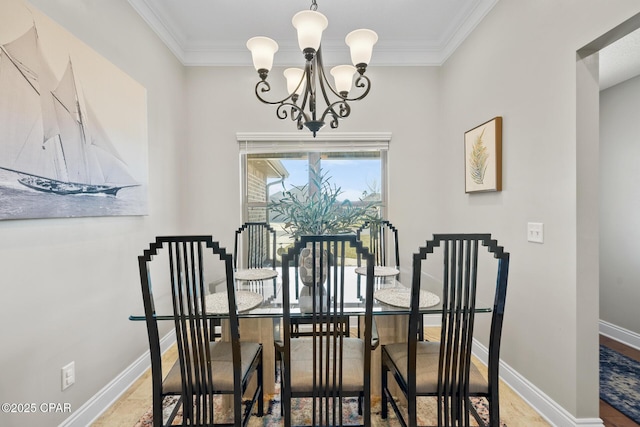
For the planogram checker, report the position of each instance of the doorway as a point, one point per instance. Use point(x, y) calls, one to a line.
point(593, 155)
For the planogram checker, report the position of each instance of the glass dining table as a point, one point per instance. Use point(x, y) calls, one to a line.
point(259, 304)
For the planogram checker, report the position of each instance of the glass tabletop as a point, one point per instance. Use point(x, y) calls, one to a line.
point(264, 299)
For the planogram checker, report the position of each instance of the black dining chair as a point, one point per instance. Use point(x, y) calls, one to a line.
point(175, 284)
point(254, 252)
point(381, 238)
point(327, 365)
point(445, 369)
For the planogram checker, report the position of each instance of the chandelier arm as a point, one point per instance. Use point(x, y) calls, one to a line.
point(334, 122)
point(297, 113)
point(305, 99)
point(335, 118)
point(322, 78)
point(263, 86)
point(361, 84)
point(310, 87)
point(343, 111)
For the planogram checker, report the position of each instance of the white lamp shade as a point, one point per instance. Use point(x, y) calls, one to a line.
point(310, 25)
point(294, 76)
point(262, 51)
point(343, 77)
point(361, 44)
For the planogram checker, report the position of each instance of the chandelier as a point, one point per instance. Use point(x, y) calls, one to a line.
point(309, 86)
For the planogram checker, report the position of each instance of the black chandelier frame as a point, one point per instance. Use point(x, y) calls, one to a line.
point(313, 76)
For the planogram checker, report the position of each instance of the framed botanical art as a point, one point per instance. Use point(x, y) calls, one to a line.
point(483, 157)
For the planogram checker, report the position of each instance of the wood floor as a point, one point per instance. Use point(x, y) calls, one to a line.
point(608, 414)
point(137, 400)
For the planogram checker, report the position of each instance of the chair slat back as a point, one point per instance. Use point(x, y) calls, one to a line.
point(328, 318)
point(255, 246)
point(460, 281)
point(381, 238)
point(192, 261)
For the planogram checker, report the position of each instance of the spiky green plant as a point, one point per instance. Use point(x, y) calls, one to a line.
point(478, 160)
point(317, 210)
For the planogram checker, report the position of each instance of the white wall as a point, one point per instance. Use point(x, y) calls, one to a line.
point(620, 204)
point(402, 101)
point(520, 63)
point(69, 285)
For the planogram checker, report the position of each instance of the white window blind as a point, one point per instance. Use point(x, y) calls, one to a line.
point(252, 143)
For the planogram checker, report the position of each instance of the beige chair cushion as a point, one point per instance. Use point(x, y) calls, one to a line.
point(222, 367)
point(302, 365)
point(427, 358)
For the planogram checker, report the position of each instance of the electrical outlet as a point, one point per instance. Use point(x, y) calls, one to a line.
point(68, 375)
point(535, 232)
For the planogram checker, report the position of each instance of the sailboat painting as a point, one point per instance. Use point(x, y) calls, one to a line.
point(73, 138)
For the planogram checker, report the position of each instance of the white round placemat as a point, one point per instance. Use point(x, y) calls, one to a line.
point(401, 297)
point(218, 303)
point(379, 271)
point(256, 274)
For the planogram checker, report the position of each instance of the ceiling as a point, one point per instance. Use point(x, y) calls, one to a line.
point(620, 60)
point(411, 32)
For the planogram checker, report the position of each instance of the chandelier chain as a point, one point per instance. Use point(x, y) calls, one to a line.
point(314, 5)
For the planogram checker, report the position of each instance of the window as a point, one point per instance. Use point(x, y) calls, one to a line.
point(355, 164)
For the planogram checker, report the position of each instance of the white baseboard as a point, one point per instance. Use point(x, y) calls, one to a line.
point(101, 401)
point(622, 335)
point(548, 409)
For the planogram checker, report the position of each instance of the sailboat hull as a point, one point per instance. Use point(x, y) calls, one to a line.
point(58, 187)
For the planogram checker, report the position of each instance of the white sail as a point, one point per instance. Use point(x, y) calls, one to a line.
point(71, 128)
point(21, 121)
point(26, 53)
point(113, 169)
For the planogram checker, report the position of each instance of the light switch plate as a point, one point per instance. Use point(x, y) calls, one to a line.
point(68, 375)
point(535, 232)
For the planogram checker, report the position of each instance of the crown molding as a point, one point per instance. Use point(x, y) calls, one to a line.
point(387, 53)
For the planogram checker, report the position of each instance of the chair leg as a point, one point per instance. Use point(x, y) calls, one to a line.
point(367, 413)
point(383, 394)
point(259, 381)
point(280, 362)
point(412, 407)
point(494, 411)
point(286, 412)
point(237, 410)
point(157, 411)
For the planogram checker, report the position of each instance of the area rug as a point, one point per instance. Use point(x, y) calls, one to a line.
point(301, 412)
point(620, 382)
point(302, 409)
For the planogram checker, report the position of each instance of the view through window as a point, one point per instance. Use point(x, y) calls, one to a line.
point(357, 176)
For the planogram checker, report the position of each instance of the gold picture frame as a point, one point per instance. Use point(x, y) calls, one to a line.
point(483, 157)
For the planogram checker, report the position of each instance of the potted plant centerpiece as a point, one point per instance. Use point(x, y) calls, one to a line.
point(315, 209)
